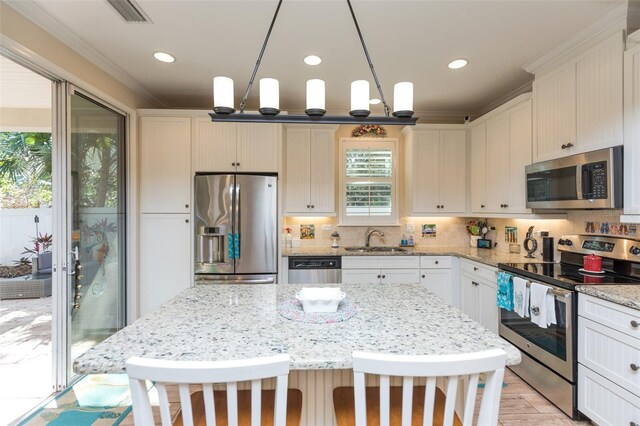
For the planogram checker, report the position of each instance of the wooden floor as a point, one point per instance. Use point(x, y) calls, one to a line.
point(520, 405)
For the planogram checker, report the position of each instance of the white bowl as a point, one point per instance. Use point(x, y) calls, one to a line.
point(320, 299)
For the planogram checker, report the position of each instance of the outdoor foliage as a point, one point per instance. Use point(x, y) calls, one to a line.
point(40, 244)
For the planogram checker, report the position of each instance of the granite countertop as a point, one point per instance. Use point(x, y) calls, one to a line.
point(486, 256)
point(627, 295)
point(219, 322)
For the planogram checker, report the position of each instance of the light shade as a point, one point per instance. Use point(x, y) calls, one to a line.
point(223, 95)
point(403, 99)
point(315, 97)
point(359, 98)
point(269, 96)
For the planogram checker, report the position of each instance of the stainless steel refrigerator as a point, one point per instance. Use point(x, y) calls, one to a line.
point(236, 228)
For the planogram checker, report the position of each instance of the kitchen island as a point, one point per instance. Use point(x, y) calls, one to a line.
point(241, 321)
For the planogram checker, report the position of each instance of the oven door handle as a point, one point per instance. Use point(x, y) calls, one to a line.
point(561, 294)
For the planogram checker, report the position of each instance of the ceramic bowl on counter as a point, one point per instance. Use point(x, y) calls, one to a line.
point(320, 299)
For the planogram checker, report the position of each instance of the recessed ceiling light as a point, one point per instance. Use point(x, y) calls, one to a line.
point(164, 57)
point(374, 101)
point(457, 63)
point(312, 60)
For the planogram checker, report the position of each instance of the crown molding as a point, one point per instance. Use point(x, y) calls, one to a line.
point(46, 21)
point(520, 90)
point(612, 21)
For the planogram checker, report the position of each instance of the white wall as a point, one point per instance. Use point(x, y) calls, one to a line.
point(17, 228)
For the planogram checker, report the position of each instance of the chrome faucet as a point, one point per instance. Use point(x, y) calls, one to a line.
point(369, 233)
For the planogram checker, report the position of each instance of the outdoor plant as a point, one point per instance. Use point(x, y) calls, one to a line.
point(22, 261)
point(40, 244)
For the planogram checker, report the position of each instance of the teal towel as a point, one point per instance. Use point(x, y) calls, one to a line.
point(505, 291)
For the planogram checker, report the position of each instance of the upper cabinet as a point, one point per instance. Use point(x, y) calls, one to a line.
point(577, 106)
point(310, 171)
point(632, 131)
point(165, 164)
point(500, 150)
point(435, 169)
point(235, 147)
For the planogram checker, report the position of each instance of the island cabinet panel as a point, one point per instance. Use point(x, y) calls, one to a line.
point(578, 105)
point(436, 276)
point(310, 171)
point(478, 293)
point(632, 133)
point(235, 147)
point(435, 172)
point(165, 258)
point(608, 361)
point(165, 158)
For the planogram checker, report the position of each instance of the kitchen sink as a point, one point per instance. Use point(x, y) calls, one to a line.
point(374, 249)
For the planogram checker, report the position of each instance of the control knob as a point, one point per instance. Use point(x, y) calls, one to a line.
point(634, 250)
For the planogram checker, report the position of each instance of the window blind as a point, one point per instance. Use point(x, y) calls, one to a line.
point(368, 180)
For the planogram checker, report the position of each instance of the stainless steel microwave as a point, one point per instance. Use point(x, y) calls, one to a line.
point(592, 180)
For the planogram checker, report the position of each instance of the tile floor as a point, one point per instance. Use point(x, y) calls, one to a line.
point(25, 355)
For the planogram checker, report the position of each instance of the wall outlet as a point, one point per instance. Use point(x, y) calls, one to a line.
point(326, 227)
point(539, 233)
point(410, 228)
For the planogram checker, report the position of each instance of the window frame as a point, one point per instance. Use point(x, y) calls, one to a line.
point(369, 143)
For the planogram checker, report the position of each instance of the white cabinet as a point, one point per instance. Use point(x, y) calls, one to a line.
point(609, 360)
point(381, 269)
point(500, 150)
point(435, 275)
point(435, 169)
point(165, 158)
point(578, 105)
point(632, 133)
point(310, 171)
point(165, 258)
point(478, 293)
point(235, 147)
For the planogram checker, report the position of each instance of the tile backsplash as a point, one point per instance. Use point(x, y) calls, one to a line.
point(451, 231)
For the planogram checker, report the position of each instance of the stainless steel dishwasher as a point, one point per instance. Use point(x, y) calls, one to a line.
point(315, 270)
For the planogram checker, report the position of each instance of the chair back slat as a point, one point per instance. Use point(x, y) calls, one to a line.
point(209, 404)
point(163, 400)
point(256, 402)
point(452, 368)
point(470, 398)
point(429, 401)
point(207, 373)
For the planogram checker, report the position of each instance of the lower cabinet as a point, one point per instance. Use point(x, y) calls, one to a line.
point(608, 362)
point(435, 275)
point(478, 293)
point(381, 269)
point(165, 258)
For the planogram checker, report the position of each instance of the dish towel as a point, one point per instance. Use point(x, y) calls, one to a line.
point(543, 311)
point(520, 297)
point(505, 291)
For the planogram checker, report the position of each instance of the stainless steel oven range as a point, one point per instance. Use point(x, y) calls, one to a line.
point(549, 362)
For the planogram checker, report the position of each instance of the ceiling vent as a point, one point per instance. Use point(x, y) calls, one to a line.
point(130, 11)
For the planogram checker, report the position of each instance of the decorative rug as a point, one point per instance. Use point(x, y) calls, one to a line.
point(292, 309)
point(96, 399)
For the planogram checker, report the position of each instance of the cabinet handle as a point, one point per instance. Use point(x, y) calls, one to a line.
point(475, 268)
point(482, 206)
point(436, 262)
point(186, 221)
point(424, 276)
point(384, 276)
point(634, 367)
point(312, 206)
point(634, 323)
point(308, 206)
point(186, 206)
point(475, 283)
point(238, 164)
point(378, 276)
point(565, 146)
point(633, 424)
point(506, 205)
point(233, 164)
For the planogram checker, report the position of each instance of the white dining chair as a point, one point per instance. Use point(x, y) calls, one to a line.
point(278, 407)
point(421, 405)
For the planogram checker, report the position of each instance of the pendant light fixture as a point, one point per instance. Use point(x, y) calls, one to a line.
point(224, 110)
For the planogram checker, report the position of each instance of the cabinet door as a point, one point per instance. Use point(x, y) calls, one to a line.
point(298, 171)
point(453, 171)
point(214, 146)
point(257, 148)
point(165, 164)
point(426, 171)
point(361, 276)
point(555, 113)
point(599, 96)
point(488, 309)
point(520, 138)
point(322, 172)
point(478, 169)
point(400, 276)
point(469, 296)
point(165, 258)
point(632, 132)
point(438, 282)
point(498, 166)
